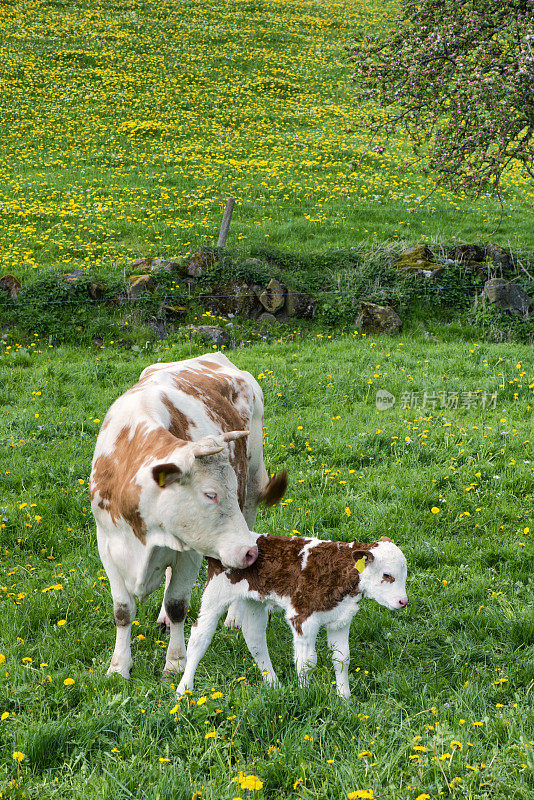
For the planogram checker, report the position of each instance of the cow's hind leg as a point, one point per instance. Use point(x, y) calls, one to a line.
point(176, 602)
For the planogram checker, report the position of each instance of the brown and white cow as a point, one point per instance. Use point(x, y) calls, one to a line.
point(178, 474)
point(316, 583)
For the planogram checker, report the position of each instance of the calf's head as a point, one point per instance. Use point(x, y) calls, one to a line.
point(195, 499)
point(383, 574)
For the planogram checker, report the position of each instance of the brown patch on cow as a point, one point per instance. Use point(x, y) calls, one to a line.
point(180, 425)
point(275, 489)
point(328, 577)
point(114, 474)
point(176, 610)
point(389, 579)
point(219, 395)
point(386, 539)
point(122, 615)
point(210, 364)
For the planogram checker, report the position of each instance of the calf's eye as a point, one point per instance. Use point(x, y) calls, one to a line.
point(387, 577)
point(211, 496)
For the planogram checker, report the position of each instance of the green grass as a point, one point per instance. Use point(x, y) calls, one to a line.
point(124, 127)
point(452, 674)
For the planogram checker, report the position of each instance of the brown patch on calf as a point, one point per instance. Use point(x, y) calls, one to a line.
point(114, 475)
point(275, 489)
point(329, 575)
point(219, 395)
point(176, 610)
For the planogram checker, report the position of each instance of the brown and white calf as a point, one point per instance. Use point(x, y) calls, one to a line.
point(315, 583)
point(177, 474)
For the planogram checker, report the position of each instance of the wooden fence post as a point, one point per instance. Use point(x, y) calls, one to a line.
point(225, 225)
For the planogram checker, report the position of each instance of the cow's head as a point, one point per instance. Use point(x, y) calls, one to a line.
point(383, 574)
point(195, 500)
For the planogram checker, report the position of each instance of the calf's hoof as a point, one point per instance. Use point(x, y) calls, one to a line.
point(182, 687)
point(173, 668)
point(234, 620)
point(163, 623)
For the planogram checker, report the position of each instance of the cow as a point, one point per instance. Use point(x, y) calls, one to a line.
point(316, 583)
point(178, 474)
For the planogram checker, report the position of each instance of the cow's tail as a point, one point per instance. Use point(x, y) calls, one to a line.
point(273, 492)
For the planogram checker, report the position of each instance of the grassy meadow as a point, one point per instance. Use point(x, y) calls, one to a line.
point(442, 692)
point(124, 127)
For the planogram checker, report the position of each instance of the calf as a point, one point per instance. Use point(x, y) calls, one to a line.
point(316, 583)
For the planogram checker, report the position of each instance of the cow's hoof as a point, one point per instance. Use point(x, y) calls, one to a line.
point(125, 671)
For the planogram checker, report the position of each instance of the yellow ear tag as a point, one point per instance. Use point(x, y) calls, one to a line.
point(161, 479)
point(360, 564)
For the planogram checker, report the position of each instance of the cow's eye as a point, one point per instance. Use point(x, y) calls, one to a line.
point(387, 577)
point(211, 496)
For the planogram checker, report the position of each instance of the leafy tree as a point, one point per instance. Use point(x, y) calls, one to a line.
point(458, 76)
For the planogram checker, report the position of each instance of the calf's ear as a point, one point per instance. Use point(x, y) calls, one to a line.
point(361, 559)
point(165, 474)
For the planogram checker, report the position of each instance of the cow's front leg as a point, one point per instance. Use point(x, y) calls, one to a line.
point(163, 620)
point(124, 610)
point(176, 602)
point(304, 652)
point(338, 642)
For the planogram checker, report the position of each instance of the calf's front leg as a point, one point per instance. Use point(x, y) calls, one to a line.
point(338, 642)
point(304, 652)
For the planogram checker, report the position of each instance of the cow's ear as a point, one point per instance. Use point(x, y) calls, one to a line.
point(165, 474)
point(361, 559)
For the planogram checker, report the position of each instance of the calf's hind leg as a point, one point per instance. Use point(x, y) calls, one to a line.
point(254, 627)
point(215, 601)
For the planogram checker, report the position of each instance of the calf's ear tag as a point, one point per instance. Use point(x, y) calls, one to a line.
point(161, 478)
point(360, 564)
